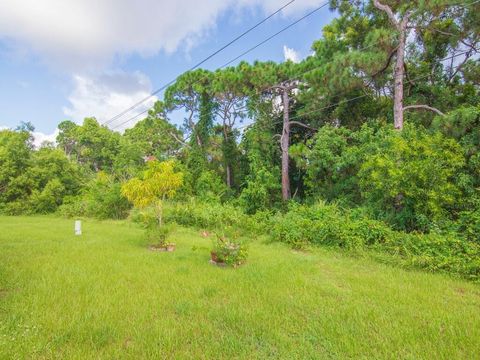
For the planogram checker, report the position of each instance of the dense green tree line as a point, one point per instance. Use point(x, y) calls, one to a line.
point(383, 118)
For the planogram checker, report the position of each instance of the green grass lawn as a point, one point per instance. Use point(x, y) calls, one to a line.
point(105, 296)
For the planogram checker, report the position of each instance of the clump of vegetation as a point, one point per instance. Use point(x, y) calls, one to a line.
point(228, 250)
point(101, 198)
point(323, 224)
point(158, 237)
point(159, 182)
point(329, 225)
point(215, 216)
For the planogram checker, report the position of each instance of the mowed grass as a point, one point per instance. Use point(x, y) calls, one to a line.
point(105, 296)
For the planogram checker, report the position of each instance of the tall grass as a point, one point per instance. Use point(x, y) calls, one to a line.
point(105, 296)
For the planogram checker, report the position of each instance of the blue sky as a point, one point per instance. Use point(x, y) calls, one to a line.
point(86, 59)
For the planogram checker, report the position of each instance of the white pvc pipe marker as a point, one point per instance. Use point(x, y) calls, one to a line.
point(78, 227)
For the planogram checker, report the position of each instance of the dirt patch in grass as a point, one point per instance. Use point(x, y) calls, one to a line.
point(460, 291)
point(463, 292)
point(128, 342)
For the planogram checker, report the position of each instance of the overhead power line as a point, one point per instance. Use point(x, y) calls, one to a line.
point(294, 76)
point(199, 63)
point(315, 110)
point(234, 59)
point(346, 100)
point(350, 99)
point(274, 35)
point(365, 95)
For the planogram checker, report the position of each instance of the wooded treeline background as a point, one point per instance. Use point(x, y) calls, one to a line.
point(383, 120)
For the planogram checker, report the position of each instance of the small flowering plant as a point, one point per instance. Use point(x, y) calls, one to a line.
point(228, 251)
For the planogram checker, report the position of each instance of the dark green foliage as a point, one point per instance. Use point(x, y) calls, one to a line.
point(91, 144)
point(434, 252)
point(261, 192)
point(262, 188)
point(410, 182)
point(15, 159)
point(405, 178)
point(468, 225)
point(330, 161)
point(463, 125)
point(210, 187)
point(197, 160)
point(155, 136)
point(34, 181)
point(323, 224)
point(100, 199)
point(215, 216)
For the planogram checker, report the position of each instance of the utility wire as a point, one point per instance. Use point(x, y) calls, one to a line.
point(348, 100)
point(198, 64)
point(300, 74)
point(228, 63)
point(315, 110)
point(365, 95)
point(291, 78)
point(274, 35)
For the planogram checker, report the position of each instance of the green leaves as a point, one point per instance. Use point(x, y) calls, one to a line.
point(34, 181)
point(159, 181)
point(412, 178)
point(154, 135)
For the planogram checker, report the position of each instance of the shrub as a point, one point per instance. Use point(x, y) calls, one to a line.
point(159, 234)
point(229, 251)
point(107, 202)
point(469, 225)
point(101, 199)
point(409, 182)
point(435, 252)
point(73, 206)
point(406, 178)
point(323, 224)
point(49, 198)
point(146, 217)
point(209, 187)
point(214, 216)
point(329, 162)
point(261, 193)
point(17, 207)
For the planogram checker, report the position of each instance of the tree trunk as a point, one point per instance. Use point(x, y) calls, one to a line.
point(399, 74)
point(226, 158)
point(159, 211)
point(228, 169)
point(285, 143)
point(401, 27)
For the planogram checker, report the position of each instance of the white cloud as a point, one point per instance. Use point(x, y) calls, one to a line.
point(290, 54)
point(85, 36)
point(81, 34)
point(39, 138)
point(107, 95)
